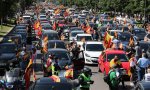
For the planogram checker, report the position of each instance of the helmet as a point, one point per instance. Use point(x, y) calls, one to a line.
point(87, 70)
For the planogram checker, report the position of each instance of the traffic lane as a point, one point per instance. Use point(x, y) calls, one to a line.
point(99, 83)
point(97, 77)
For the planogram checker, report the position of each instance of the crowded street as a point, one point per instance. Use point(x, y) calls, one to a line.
point(74, 45)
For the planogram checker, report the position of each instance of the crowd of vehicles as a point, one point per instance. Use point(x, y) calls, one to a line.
point(54, 38)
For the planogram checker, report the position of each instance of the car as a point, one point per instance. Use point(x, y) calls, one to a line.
point(140, 33)
point(46, 26)
point(107, 55)
point(144, 45)
point(43, 17)
point(142, 85)
point(74, 33)
point(92, 50)
point(61, 54)
point(13, 38)
point(47, 83)
point(102, 31)
point(80, 38)
point(56, 44)
point(20, 27)
point(24, 36)
point(51, 34)
point(26, 18)
point(8, 55)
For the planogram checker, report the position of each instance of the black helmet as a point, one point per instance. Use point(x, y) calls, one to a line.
point(87, 70)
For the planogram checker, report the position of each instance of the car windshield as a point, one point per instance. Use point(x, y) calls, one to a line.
point(7, 48)
point(73, 34)
point(144, 46)
point(56, 45)
point(94, 47)
point(53, 36)
point(87, 38)
point(21, 27)
point(121, 57)
point(139, 31)
point(61, 55)
point(124, 37)
point(47, 27)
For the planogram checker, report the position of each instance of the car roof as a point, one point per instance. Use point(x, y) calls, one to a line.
point(55, 41)
point(49, 31)
point(93, 42)
point(57, 49)
point(145, 84)
point(112, 51)
point(84, 35)
point(6, 43)
point(47, 80)
point(76, 31)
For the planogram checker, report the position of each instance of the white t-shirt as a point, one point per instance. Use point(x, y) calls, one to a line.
point(147, 77)
point(132, 63)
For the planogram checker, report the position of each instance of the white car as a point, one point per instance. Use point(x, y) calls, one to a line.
point(92, 50)
point(80, 38)
point(74, 33)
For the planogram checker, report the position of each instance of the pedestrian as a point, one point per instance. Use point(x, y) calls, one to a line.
point(147, 75)
point(49, 66)
point(138, 51)
point(34, 56)
point(132, 68)
point(147, 37)
point(143, 64)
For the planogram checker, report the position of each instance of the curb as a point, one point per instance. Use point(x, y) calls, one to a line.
point(1, 38)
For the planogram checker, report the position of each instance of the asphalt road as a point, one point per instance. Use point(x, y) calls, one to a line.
point(99, 84)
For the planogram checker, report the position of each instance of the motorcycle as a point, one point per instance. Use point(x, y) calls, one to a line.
point(13, 80)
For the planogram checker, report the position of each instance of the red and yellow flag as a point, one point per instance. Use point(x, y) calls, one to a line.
point(57, 11)
point(36, 25)
point(107, 40)
point(54, 26)
point(55, 78)
point(88, 30)
point(27, 74)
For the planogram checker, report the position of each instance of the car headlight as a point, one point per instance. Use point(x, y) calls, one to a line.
point(87, 55)
point(9, 85)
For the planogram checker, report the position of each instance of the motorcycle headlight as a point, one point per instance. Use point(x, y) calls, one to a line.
point(9, 86)
point(124, 72)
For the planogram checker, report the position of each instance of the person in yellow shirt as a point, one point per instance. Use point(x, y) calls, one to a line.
point(115, 62)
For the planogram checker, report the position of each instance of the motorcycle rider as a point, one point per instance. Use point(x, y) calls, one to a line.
point(49, 65)
point(114, 80)
point(115, 63)
point(85, 79)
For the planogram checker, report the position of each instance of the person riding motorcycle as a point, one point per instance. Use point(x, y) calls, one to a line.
point(85, 79)
point(49, 66)
point(113, 79)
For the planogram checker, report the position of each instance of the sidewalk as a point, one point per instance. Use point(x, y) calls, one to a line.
point(4, 30)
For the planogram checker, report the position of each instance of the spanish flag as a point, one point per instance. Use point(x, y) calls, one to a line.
point(54, 26)
point(27, 74)
point(88, 30)
point(57, 11)
point(107, 40)
point(36, 25)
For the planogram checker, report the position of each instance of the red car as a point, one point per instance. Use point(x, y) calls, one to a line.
point(107, 55)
